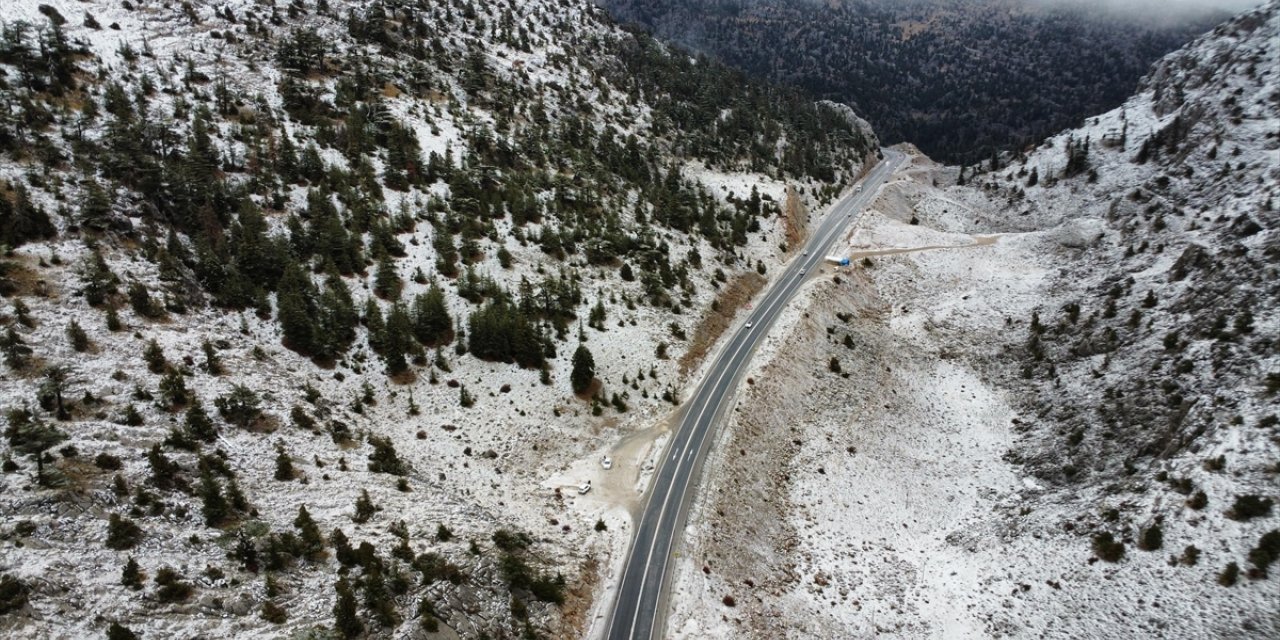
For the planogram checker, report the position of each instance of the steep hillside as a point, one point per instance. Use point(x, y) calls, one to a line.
point(312, 309)
point(1042, 404)
point(958, 79)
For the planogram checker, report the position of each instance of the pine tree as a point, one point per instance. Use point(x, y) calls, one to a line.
point(364, 507)
point(78, 338)
point(22, 221)
point(16, 351)
point(384, 458)
point(241, 406)
point(236, 497)
point(215, 508)
point(31, 436)
point(212, 361)
point(153, 355)
point(397, 340)
point(173, 390)
point(140, 300)
point(198, 424)
point(432, 325)
point(113, 319)
point(375, 323)
point(296, 310)
point(584, 369)
point(284, 466)
point(52, 390)
point(99, 281)
point(312, 539)
point(342, 550)
point(132, 575)
point(346, 617)
point(386, 282)
point(336, 324)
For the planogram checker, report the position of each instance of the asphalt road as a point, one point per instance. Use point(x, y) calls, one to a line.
point(639, 611)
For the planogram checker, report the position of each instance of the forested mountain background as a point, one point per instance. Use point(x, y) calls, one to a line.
point(959, 78)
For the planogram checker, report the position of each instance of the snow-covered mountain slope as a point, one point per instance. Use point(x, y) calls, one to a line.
point(1046, 405)
point(342, 256)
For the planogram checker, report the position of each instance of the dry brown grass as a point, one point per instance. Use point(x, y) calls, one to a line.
point(736, 293)
point(578, 601)
point(793, 216)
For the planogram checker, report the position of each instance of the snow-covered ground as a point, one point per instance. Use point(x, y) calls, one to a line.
point(513, 460)
point(883, 500)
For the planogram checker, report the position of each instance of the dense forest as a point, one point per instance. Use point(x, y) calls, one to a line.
point(958, 79)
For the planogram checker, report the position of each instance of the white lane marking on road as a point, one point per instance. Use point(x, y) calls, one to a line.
point(662, 511)
point(779, 295)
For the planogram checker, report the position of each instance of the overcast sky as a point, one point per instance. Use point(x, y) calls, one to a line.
point(1158, 5)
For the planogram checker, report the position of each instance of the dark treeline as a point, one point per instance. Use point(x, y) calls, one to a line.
point(958, 79)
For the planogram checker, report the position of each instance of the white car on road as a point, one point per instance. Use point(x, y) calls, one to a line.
point(606, 462)
point(585, 487)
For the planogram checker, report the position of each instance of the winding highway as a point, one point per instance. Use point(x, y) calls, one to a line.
point(639, 610)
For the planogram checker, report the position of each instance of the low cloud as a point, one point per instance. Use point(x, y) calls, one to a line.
point(1155, 8)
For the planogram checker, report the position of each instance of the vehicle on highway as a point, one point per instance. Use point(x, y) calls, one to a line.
point(806, 252)
point(802, 271)
point(606, 462)
point(583, 488)
point(748, 325)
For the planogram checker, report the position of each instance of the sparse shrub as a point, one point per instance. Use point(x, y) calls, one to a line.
point(1229, 575)
point(274, 613)
point(1190, 555)
point(107, 462)
point(1107, 547)
point(729, 601)
point(122, 533)
point(118, 631)
point(510, 541)
point(14, 594)
point(834, 365)
point(298, 416)
point(443, 534)
point(1247, 507)
point(427, 617)
point(1272, 382)
point(1152, 538)
point(1198, 501)
point(172, 587)
point(1267, 551)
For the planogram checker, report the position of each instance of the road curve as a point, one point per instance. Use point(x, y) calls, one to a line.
point(638, 611)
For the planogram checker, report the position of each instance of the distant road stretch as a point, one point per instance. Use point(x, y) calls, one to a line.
point(638, 610)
